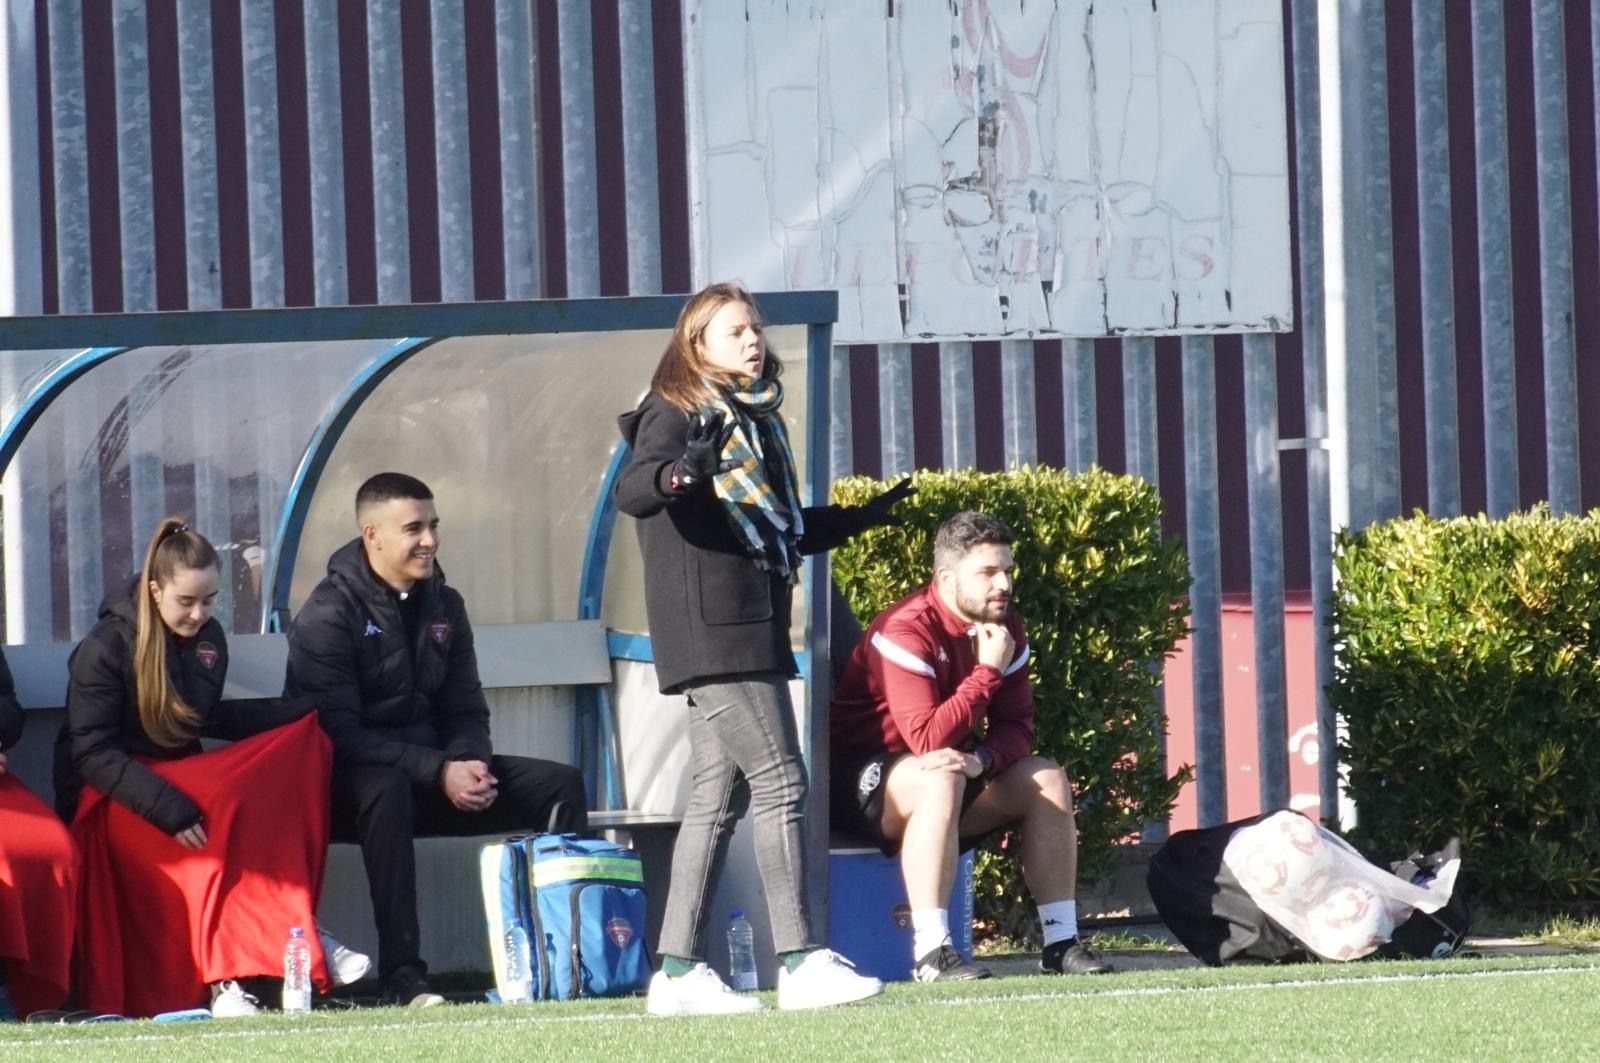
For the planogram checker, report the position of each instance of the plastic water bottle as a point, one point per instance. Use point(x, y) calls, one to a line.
point(297, 974)
point(741, 953)
point(518, 983)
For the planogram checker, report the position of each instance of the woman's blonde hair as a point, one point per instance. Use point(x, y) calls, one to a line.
point(683, 371)
point(164, 715)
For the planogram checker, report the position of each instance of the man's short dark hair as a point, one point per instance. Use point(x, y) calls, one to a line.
point(959, 534)
point(387, 486)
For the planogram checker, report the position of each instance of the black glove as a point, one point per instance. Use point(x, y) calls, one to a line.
point(878, 510)
point(702, 451)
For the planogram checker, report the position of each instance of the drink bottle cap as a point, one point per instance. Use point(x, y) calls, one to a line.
point(296, 932)
point(738, 913)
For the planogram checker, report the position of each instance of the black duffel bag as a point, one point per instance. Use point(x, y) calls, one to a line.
point(1206, 907)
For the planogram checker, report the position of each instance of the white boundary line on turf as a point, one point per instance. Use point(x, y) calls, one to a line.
point(322, 1030)
point(1296, 983)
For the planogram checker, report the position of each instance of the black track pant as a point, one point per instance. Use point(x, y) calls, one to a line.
point(383, 810)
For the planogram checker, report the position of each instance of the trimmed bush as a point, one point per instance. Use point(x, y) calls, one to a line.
point(1468, 676)
point(1104, 600)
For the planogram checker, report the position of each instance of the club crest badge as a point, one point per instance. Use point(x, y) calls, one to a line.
point(620, 931)
point(207, 654)
point(900, 914)
point(439, 631)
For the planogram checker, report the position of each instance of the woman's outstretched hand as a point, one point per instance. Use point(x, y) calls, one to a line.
point(702, 451)
point(880, 508)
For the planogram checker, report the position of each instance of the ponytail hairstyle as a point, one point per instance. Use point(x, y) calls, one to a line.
point(165, 717)
point(683, 376)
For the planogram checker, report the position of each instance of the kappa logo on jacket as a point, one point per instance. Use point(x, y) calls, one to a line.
point(372, 629)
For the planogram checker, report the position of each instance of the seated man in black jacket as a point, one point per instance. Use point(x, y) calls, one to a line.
point(384, 648)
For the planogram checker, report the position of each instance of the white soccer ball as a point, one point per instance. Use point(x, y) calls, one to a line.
point(1348, 921)
point(1285, 857)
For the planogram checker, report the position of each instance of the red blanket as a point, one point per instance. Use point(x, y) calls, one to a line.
point(38, 883)
point(159, 922)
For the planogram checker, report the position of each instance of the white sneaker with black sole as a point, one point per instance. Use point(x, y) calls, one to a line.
point(346, 966)
point(230, 1001)
point(823, 979)
point(699, 992)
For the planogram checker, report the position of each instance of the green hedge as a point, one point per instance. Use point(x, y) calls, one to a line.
point(1104, 599)
point(1468, 677)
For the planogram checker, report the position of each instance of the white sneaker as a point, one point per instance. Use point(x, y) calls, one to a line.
point(700, 992)
point(823, 979)
point(230, 1001)
point(345, 966)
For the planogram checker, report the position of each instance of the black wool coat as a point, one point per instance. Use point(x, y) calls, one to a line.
point(413, 708)
point(102, 734)
point(712, 610)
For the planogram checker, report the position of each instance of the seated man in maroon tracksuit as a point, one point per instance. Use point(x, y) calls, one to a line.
point(932, 725)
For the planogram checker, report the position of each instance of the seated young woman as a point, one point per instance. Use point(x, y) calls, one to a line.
point(38, 884)
point(196, 864)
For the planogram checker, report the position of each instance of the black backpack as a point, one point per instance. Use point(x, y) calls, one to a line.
point(1207, 909)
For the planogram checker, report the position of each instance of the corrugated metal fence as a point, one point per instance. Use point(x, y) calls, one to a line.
point(204, 153)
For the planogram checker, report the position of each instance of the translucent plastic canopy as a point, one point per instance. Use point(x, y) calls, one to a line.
point(212, 434)
point(514, 435)
point(21, 372)
point(252, 440)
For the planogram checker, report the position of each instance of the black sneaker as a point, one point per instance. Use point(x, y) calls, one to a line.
point(1072, 957)
point(944, 964)
point(408, 989)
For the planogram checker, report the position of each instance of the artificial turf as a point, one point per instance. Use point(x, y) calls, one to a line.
point(1525, 1007)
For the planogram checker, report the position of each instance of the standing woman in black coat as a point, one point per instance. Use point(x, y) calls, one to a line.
point(195, 864)
point(712, 481)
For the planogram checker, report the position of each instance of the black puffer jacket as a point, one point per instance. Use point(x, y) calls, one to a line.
point(102, 733)
point(382, 702)
point(712, 610)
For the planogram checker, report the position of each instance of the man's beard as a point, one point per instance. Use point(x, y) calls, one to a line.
point(981, 610)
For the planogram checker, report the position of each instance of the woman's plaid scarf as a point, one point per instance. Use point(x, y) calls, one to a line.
point(760, 496)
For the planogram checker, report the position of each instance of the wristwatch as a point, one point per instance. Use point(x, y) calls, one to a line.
point(983, 754)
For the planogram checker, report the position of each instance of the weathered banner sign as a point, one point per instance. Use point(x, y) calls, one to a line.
point(988, 168)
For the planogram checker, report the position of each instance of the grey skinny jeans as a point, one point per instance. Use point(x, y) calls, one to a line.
point(745, 751)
